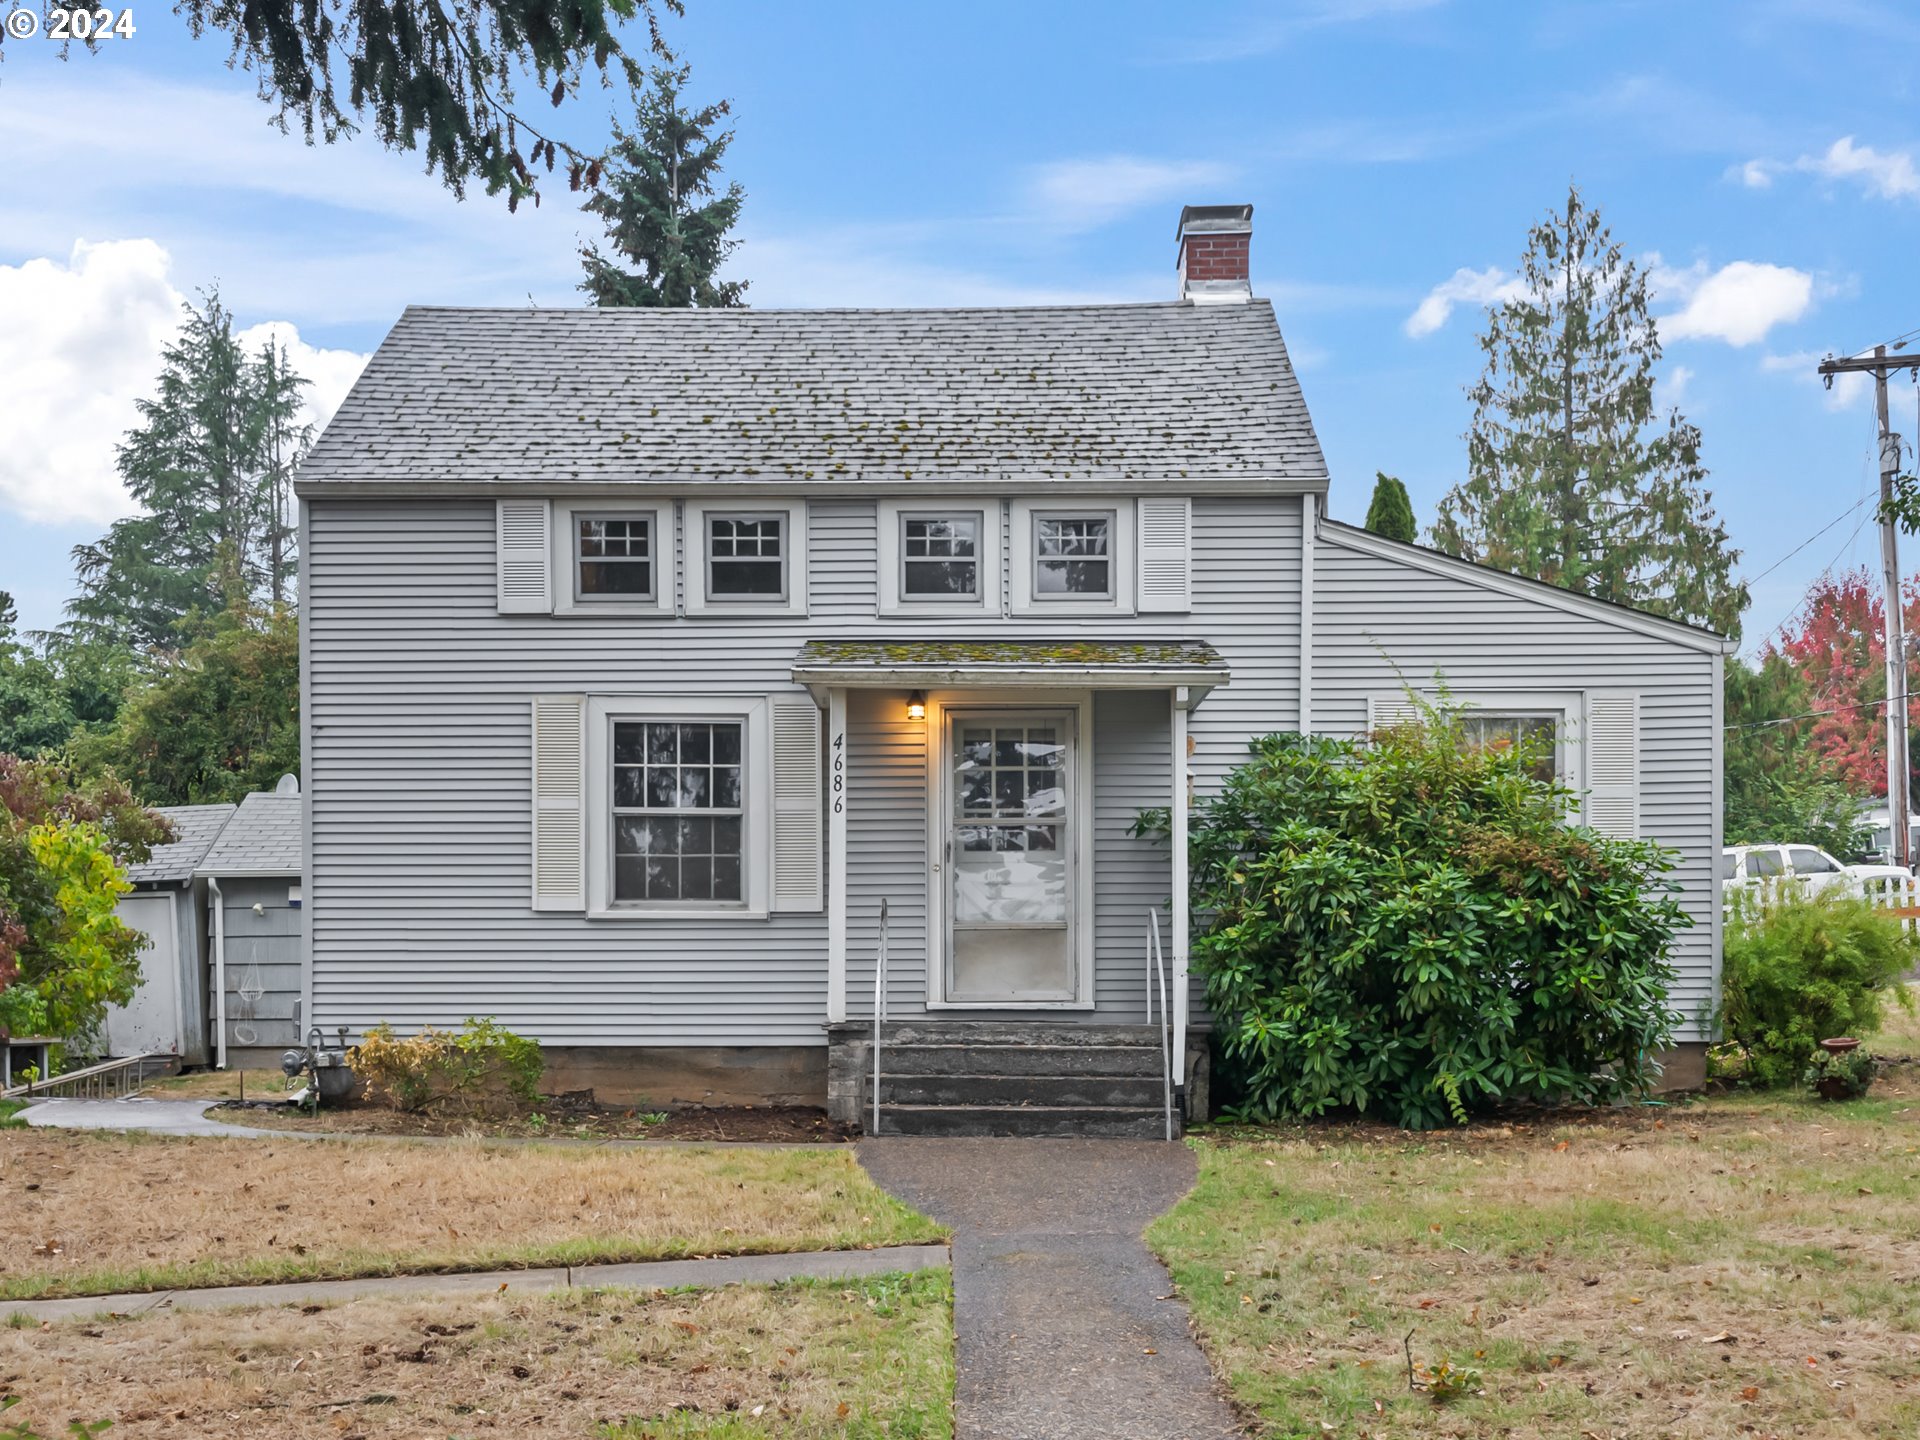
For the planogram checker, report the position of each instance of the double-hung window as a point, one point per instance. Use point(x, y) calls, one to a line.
point(1073, 555)
point(746, 557)
point(613, 557)
point(1537, 735)
point(940, 557)
point(678, 811)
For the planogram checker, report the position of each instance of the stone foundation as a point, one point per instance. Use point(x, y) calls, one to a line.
point(1684, 1067)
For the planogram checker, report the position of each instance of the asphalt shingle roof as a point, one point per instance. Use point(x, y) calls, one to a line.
point(263, 838)
point(837, 397)
point(195, 828)
point(894, 654)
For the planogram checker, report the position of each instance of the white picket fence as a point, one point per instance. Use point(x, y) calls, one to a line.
point(1898, 895)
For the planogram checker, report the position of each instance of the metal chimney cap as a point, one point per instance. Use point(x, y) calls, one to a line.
point(1217, 219)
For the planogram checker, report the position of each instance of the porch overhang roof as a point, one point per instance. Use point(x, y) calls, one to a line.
point(1190, 666)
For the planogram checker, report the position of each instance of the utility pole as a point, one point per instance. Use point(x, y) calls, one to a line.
point(1899, 796)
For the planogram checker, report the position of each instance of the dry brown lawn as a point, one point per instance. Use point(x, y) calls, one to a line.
point(219, 1085)
point(868, 1358)
point(1730, 1268)
point(91, 1213)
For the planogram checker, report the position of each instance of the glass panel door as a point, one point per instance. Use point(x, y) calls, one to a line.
point(1010, 857)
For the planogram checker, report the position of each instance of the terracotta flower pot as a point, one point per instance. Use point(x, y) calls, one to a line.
point(1833, 1087)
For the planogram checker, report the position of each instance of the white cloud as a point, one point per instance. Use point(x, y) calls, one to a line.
point(1072, 195)
point(1673, 386)
point(1477, 287)
point(1887, 174)
point(1738, 303)
point(329, 373)
point(1299, 19)
point(1849, 390)
point(80, 349)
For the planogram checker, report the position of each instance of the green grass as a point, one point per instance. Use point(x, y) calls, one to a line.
point(1565, 1264)
point(9, 1113)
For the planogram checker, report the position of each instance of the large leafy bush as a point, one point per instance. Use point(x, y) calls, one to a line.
point(1407, 926)
point(1802, 969)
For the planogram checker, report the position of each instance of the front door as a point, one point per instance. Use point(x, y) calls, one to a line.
point(1011, 854)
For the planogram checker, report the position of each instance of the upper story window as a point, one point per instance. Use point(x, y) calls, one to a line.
point(746, 557)
point(613, 557)
point(940, 557)
point(1073, 555)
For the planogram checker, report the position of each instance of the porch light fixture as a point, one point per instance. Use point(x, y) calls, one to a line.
point(917, 705)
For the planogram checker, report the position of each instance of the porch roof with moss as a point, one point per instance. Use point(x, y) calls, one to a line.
point(1087, 664)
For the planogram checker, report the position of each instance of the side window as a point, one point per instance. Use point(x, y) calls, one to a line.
point(1729, 865)
point(1806, 860)
point(1073, 555)
point(613, 557)
point(1536, 734)
point(1764, 864)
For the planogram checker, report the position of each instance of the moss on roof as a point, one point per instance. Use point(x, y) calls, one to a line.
point(886, 654)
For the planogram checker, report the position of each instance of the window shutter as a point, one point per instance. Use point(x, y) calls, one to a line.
point(1613, 763)
point(1385, 712)
point(525, 567)
point(1164, 545)
point(559, 802)
point(797, 839)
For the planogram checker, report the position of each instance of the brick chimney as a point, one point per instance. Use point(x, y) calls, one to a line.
point(1215, 241)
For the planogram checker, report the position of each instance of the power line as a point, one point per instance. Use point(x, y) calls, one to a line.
point(1808, 541)
point(1812, 714)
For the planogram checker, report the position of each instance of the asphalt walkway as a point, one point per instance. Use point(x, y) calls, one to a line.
point(1064, 1322)
point(642, 1275)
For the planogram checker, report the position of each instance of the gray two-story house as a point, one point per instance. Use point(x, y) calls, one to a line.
point(651, 657)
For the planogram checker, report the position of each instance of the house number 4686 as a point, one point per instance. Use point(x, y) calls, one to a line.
point(839, 773)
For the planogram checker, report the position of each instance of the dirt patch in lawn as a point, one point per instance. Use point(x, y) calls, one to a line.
point(561, 1118)
point(1742, 1267)
point(89, 1213)
point(865, 1358)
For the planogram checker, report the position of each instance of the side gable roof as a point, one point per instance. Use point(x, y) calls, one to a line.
point(263, 838)
point(1087, 394)
point(195, 828)
point(1353, 537)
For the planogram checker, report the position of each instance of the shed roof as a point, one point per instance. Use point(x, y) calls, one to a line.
point(262, 838)
point(457, 398)
point(195, 828)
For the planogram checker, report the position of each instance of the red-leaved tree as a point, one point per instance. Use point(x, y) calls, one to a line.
point(1837, 644)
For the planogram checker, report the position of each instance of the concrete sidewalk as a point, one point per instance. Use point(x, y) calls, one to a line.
point(649, 1275)
point(1065, 1326)
point(154, 1117)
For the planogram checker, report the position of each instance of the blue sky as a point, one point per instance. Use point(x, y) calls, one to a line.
point(1760, 155)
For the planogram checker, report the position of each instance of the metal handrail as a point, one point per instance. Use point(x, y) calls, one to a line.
point(118, 1078)
point(879, 1013)
point(1156, 970)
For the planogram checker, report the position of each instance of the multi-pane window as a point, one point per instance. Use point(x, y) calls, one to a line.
point(746, 557)
point(1073, 555)
point(677, 816)
point(940, 557)
point(1536, 734)
point(615, 556)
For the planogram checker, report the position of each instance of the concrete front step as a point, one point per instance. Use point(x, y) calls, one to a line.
point(1004, 1032)
point(925, 1059)
point(1054, 1090)
point(1104, 1122)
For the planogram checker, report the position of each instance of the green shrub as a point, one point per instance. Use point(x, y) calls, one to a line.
point(479, 1068)
point(1407, 926)
point(1803, 969)
point(1852, 1072)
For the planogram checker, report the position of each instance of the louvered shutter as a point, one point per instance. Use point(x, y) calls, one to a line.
point(798, 842)
point(525, 568)
point(559, 802)
point(1164, 551)
point(1385, 712)
point(1613, 763)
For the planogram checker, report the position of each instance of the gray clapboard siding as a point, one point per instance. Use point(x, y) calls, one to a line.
point(420, 776)
point(263, 953)
point(1376, 620)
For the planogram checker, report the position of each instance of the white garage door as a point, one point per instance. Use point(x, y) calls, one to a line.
point(151, 1020)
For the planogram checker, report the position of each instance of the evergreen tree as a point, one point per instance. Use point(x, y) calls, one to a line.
point(664, 214)
point(1391, 512)
point(1571, 477)
point(209, 468)
point(441, 76)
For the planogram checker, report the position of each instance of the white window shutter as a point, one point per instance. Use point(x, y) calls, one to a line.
point(1613, 763)
point(1164, 551)
point(521, 548)
point(559, 802)
point(798, 842)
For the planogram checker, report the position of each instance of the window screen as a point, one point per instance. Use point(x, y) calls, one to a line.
point(746, 557)
point(1073, 555)
point(677, 811)
point(615, 556)
point(940, 557)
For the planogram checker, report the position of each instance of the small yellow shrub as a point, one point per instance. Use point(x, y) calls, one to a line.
point(480, 1068)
